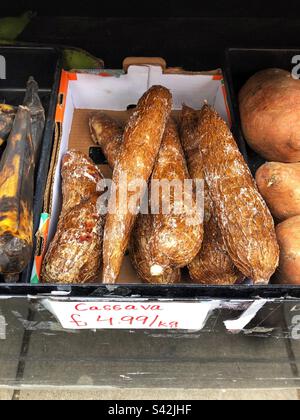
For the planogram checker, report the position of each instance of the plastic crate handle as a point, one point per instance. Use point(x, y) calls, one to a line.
point(144, 61)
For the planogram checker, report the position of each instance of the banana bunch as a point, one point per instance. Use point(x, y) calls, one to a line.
point(7, 116)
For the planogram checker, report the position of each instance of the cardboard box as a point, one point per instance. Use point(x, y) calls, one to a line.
point(114, 92)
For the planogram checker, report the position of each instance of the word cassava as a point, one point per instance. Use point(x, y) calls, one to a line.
point(84, 307)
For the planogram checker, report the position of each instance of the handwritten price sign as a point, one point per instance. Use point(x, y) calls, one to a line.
point(131, 315)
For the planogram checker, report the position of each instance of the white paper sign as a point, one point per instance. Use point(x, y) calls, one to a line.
point(131, 315)
point(245, 319)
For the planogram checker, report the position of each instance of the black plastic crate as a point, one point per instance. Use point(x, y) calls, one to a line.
point(44, 64)
point(174, 292)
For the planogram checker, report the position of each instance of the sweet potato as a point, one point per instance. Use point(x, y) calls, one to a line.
point(141, 143)
point(270, 115)
point(279, 184)
point(246, 224)
point(288, 236)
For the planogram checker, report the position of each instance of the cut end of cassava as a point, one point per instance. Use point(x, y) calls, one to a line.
point(261, 282)
point(156, 270)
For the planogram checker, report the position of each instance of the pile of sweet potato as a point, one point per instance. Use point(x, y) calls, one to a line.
point(270, 115)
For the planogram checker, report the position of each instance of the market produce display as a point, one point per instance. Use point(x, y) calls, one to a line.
point(270, 115)
point(212, 265)
point(141, 143)
point(288, 235)
point(279, 184)
point(246, 224)
point(75, 253)
point(17, 183)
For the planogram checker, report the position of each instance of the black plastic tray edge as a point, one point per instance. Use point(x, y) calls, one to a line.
point(46, 149)
point(154, 292)
point(45, 156)
point(233, 106)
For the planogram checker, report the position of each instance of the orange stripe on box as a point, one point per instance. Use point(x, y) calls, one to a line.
point(38, 265)
point(218, 77)
point(63, 89)
point(104, 74)
point(72, 76)
point(45, 234)
point(226, 104)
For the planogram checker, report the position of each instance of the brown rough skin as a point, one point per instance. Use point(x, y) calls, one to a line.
point(212, 265)
point(176, 238)
point(246, 224)
point(80, 177)
point(142, 257)
point(108, 135)
point(75, 253)
point(270, 115)
point(141, 143)
point(288, 236)
point(279, 184)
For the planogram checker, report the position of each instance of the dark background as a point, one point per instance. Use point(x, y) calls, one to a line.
point(188, 33)
point(144, 8)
